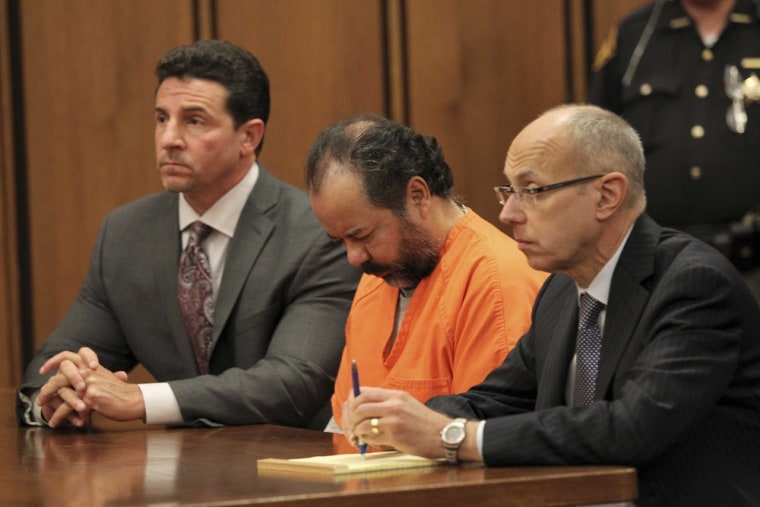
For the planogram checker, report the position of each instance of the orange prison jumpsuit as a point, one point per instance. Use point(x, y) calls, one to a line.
point(460, 323)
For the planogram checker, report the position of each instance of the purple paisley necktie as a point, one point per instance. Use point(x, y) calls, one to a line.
point(195, 293)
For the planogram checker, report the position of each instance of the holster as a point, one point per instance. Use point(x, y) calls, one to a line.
point(739, 241)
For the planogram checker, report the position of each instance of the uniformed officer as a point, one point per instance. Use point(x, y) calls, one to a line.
point(685, 73)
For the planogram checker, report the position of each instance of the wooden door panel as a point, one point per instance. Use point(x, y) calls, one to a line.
point(479, 71)
point(324, 60)
point(88, 86)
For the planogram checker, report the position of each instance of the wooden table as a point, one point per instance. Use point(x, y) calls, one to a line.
point(134, 465)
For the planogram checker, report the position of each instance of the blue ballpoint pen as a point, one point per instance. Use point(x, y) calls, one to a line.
point(355, 380)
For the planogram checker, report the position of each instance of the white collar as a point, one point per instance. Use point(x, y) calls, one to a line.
point(224, 214)
point(599, 288)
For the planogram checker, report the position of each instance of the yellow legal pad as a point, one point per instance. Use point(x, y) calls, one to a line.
point(338, 464)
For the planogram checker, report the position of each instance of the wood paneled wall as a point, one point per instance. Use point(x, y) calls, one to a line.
point(470, 72)
point(88, 84)
point(325, 61)
point(478, 72)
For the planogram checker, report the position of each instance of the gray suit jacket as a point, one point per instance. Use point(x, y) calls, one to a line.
point(278, 322)
point(679, 383)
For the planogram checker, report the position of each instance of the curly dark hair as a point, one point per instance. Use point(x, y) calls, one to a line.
point(385, 154)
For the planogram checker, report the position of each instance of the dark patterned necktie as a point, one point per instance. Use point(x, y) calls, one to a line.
point(195, 293)
point(588, 351)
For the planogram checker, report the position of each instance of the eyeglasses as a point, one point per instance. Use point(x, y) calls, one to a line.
point(527, 195)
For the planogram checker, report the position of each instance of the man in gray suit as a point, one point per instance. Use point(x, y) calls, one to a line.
point(276, 291)
point(673, 387)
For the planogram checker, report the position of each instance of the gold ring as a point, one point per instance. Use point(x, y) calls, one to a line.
point(375, 426)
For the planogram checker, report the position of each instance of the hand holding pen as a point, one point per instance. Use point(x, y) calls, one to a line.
point(355, 380)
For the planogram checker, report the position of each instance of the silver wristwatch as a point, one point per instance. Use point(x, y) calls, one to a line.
point(452, 436)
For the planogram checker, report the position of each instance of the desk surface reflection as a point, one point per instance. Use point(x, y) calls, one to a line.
point(135, 465)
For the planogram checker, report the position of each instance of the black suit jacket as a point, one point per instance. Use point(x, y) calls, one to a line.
point(279, 316)
point(679, 382)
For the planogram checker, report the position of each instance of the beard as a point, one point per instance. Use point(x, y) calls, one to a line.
point(417, 259)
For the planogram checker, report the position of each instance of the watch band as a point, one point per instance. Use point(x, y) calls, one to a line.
point(451, 447)
point(451, 454)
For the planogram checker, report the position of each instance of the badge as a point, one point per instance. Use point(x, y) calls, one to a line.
point(742, 92)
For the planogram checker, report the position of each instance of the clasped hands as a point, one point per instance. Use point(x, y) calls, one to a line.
point(81, 385)
point(392, 419)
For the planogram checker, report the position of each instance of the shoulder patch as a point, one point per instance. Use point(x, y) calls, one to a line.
point(738, 17)
point(679, 23)
point(607, 51)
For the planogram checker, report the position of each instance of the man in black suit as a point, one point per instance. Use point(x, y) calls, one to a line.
point(676, 392)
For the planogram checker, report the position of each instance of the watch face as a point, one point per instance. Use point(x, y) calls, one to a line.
point(453, 434)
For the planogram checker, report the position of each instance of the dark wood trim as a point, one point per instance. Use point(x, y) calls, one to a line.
point(397, 95)
point(15, 314)
point(204, 19)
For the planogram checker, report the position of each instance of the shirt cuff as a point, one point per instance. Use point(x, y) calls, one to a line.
point(479, 437)
point(161, 405)
point(32, 412)
point(332, 426)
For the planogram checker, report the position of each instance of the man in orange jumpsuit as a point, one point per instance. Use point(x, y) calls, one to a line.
point(445, 294)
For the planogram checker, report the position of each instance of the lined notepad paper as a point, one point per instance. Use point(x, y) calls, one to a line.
point(338, 464)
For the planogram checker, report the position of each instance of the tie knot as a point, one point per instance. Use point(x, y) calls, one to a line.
point(199, 231)
point(590, 309)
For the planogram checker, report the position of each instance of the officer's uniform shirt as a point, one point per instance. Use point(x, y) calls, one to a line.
point(698, 170)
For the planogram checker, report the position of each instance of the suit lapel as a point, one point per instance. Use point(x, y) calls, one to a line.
point(561, 346)
point(628, 298)
point(251, 234)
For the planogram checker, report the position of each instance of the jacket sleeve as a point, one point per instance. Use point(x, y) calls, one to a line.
point(293, 381)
